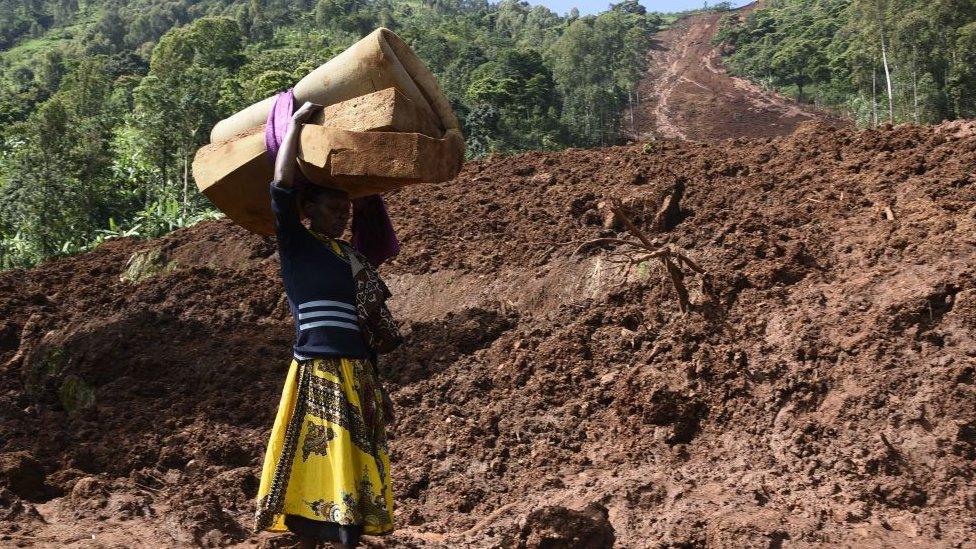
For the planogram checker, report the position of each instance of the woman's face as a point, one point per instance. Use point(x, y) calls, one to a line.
point(329, 214)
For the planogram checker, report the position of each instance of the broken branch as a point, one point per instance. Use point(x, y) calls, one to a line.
point(671, 259)
point(598, 241)
point(618, 209)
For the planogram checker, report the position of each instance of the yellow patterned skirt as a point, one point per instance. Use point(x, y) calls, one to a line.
point(327, 459)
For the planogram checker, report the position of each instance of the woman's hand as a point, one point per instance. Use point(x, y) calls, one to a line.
point(305, 112)
point(284, 171)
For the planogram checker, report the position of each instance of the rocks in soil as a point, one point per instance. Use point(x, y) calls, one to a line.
point(205, 523)
point(555, 527)
point(16, 516)
point(23, 476)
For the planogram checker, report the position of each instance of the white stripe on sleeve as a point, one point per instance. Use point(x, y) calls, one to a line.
point(335, 323)
point(326, 303)
point(327, 314)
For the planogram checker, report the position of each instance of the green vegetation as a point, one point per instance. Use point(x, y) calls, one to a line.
point(146, 264)
point(44, 371)
point(877, 60)
point(75, 394)
point(104, 102)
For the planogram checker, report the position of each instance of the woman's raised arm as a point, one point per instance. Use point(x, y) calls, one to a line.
point(284, 172)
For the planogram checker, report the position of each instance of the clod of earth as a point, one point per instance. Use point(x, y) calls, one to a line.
point(554, 527)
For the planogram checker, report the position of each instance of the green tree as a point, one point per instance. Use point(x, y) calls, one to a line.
point(56, 178)
point(355, 16)
point(900, 60)
point(178, 101)
point(596, 64)
point(520, 91)
point(962, 83)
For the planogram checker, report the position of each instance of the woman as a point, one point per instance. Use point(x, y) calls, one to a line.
point(326, 474)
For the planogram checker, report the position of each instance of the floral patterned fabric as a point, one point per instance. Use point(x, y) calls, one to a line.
point(327, 459)
point(379, 329)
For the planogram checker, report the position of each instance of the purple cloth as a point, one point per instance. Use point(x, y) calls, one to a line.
point(278, 121)
point(372, 231)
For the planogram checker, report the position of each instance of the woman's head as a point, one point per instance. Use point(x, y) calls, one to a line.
point(326, 209)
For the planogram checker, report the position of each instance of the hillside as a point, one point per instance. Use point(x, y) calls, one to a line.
point(819, 393)
point(686, 92)
point(875, 62)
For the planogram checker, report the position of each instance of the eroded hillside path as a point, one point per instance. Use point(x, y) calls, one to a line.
point(687, 93)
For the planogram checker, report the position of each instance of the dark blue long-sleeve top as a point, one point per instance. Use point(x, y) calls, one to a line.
point(319, 285)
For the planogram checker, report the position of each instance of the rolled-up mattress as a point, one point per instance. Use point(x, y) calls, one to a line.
point(407, 133)
point(378, 61)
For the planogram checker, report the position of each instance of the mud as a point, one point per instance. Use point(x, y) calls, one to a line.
point(820, 393)
point(688, 94)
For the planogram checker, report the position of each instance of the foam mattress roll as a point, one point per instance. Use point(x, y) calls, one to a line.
point(380, 60)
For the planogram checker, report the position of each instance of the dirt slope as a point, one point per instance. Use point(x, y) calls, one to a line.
point(821, 394)
point(687, 93)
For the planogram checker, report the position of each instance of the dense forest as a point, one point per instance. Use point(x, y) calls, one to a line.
point(877, 61)
point(104, 103)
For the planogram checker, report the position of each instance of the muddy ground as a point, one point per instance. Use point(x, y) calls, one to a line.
point(819, 393)
point(687, 93)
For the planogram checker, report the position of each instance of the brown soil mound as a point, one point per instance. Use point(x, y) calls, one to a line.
point(822, 392)
point(687, 93)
